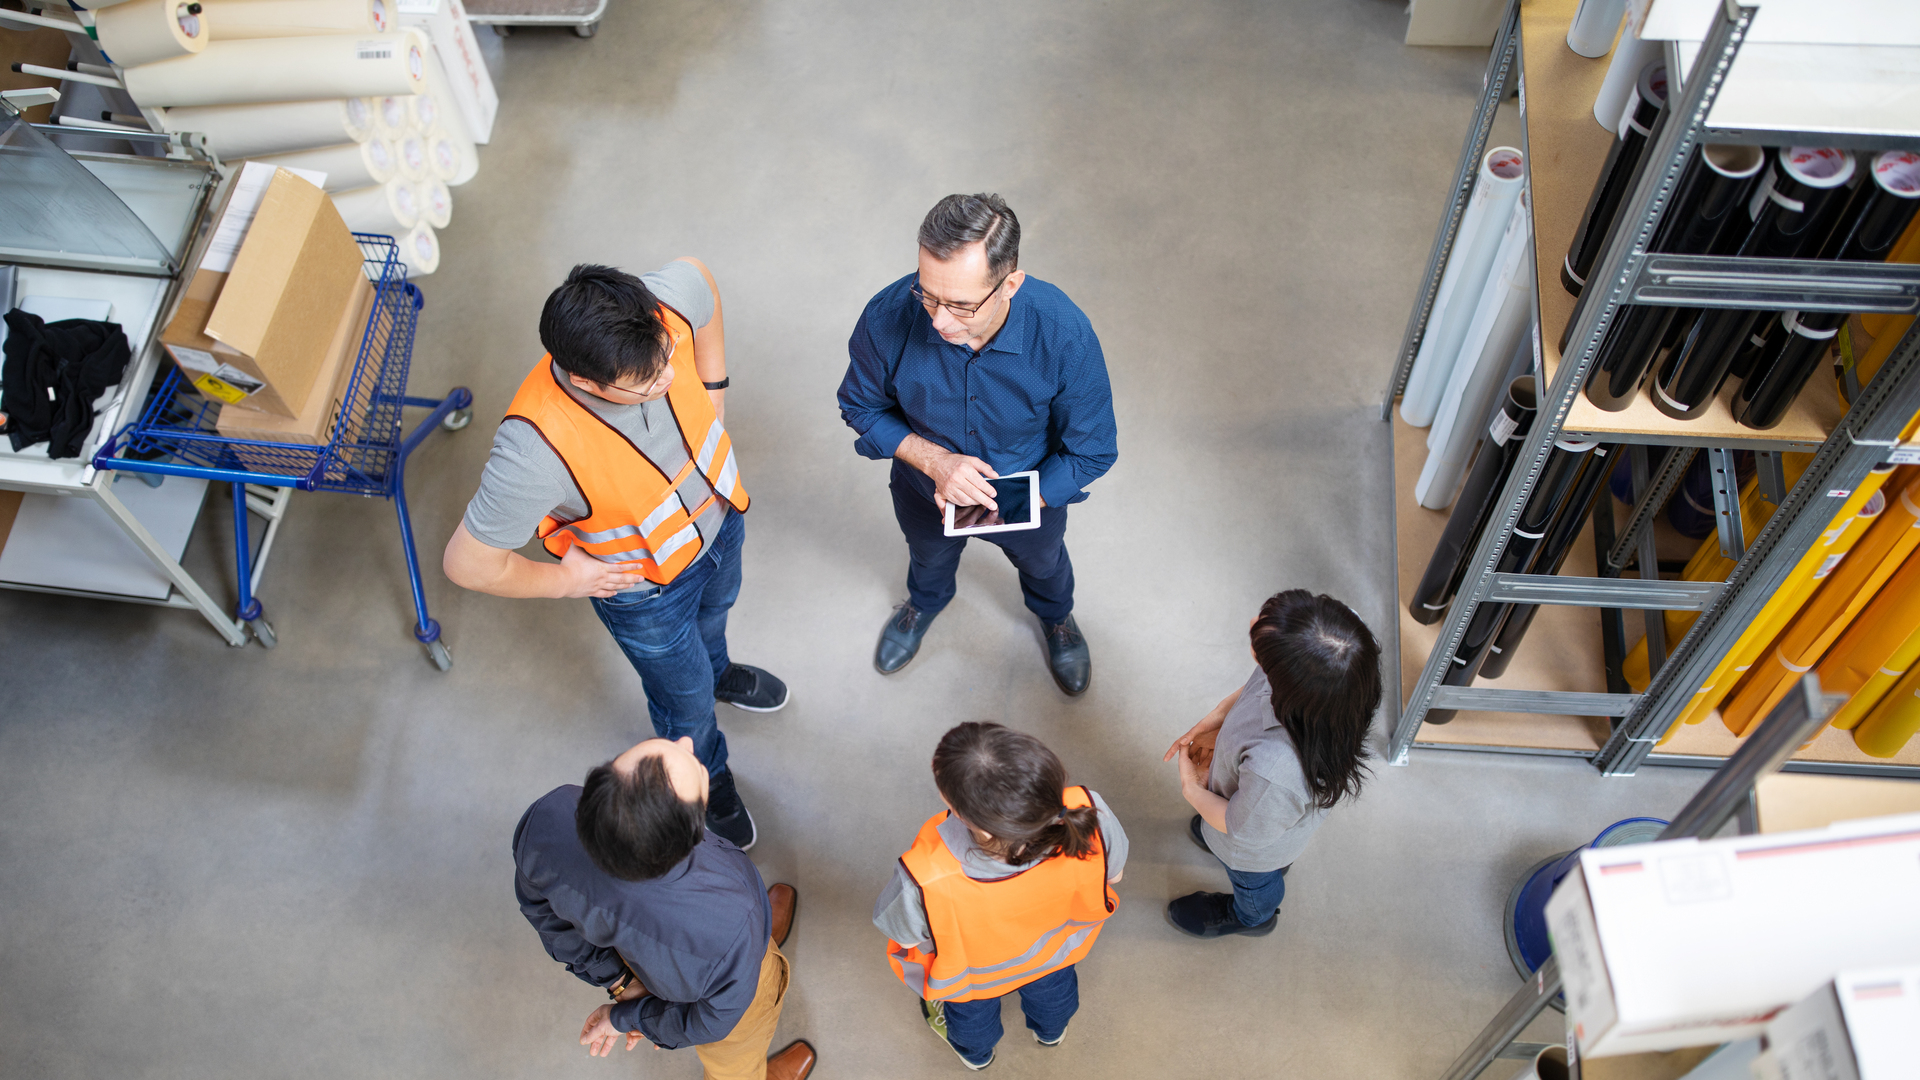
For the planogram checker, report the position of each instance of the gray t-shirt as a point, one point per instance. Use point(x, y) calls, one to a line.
point(899, 913)
point(525, 480)
point(1270, 810)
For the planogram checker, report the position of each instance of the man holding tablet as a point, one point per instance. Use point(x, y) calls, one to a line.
point(967, 373)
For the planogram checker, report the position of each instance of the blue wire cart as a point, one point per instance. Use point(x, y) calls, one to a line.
point(366, 453)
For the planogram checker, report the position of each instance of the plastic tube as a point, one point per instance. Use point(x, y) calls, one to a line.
point(1595, 22)
point(1573, 514)
point(1880, 645)
point(1482, 225)
point(1505, 435)
point(1630, 58)
point(1617, 174)
point(240, 131)
point(1893, 720)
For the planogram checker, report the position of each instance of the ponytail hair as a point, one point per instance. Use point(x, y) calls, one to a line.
point(1008, 785)
point(1324, 666)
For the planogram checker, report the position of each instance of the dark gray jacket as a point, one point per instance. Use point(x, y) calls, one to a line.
point(695, 936)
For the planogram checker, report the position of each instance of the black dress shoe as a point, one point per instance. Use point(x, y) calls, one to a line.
point(900, 638)
point(747, 687)
point(727, 816)
point(1210, 915)
point(1067, 657)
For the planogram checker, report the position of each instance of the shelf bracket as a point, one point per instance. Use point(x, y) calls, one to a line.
point(1772, 476)
point(1548, 702)
point(1726, 503)
point(1725, 281)
point(1651, 594)
point(1649, 504)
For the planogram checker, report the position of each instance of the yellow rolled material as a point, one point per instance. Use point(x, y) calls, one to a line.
point(1840, 599)
point(1880, 647)
point(1893, 721)
point(420, 250)
point(435, 203)
point(348, 166)
point(146, 31)
point(285, 69)
point(1841, 533)
point(1905, 250)
point(247, 19)
point(240, 131)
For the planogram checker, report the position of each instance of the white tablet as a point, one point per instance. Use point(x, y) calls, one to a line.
point(1019, 497)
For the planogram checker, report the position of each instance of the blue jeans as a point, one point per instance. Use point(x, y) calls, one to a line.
point(675, 637)
point(933, 557)
point(973, 1027)
point(1257, 896)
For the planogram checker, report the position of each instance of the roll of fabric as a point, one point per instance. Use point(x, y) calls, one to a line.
point(348, 166)
point(1881, 645)
point(241, 131)
point(1792, 211)
point(1482, 225)
point(1894, 719)
point(420, 250)
point(392, 208)
point(146, 31)
point(1505, 434)
point(1617, 174)
point(1630, 58)
point(435, 203)
point(285, 69)
point(1594, 24)
point(246, 19)
point(1567, 522)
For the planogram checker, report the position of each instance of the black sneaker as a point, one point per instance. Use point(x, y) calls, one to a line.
point(900, 638)
point(727, 816)
point(747, 687)
point(1210, 915)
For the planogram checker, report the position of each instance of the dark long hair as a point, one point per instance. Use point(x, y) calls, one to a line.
point(1007, 784)
point(1324, 666)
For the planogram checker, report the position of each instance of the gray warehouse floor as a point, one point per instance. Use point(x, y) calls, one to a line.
point(238, 863)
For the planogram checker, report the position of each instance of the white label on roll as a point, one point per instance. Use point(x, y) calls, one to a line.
point(1760, 195)
point(1827, 565)
point(373, 50)
point(418, 7)
point(380, 16)
point(416, 64)
point(1502, 428)
point(189, 20)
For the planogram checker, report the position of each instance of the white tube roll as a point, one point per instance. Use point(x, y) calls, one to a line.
point(391, 208)
point(248, 19)
point(1595, 22)
point(348, 166)
point(240, 131)
point(1623, 74)
point(392, 116)
point(435, 203)
point(414, 161)
point(440, 106)
point(96, 5)
point(1501, 320)
point(285, 69)
point(453, 159)
point(146, 31)
point(426, 107)
point(420, 250)
point(1502, 174)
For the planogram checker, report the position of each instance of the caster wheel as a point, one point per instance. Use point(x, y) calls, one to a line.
point(263, 631)
point(588, 30)
point(437, 652)
point(457, 419)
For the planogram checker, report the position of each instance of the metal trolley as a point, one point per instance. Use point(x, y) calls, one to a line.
point(366, 453)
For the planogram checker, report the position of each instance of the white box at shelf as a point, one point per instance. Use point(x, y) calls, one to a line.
point(1692, 942)
point(1785, 22)
point(1864, 1025)
point(446, 25)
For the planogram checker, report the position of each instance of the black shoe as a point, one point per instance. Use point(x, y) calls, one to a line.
point(747, 687)
point(1067, 657)
point(1210, 915)
point(727, 816)
point(900, 638)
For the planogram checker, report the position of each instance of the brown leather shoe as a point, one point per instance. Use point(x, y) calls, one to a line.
point(784, 900)
point(793, 1063)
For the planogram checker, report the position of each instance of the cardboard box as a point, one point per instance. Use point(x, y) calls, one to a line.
point(314, 426)
point(259, 332)
point(1864, 1025)
point(1692, 942)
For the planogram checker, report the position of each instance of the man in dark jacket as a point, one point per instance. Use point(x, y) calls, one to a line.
point(629, 890)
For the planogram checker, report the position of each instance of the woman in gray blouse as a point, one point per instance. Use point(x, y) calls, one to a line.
point(1264, 767)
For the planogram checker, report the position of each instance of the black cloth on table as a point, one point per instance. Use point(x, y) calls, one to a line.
point(53, 374)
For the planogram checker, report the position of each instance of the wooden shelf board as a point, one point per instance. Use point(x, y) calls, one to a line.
point(1710, 738)
point(1790, 801)
point(1565, 150)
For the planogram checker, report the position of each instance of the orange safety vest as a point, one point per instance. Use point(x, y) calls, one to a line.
point(634, 514)
point(992, 937)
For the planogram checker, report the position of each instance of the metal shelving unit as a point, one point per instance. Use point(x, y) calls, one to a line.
point(1846, 446)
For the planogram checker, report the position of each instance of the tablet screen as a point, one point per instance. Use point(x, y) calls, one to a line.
point(1015, 496)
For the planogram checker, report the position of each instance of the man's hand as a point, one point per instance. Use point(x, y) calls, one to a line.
point(588, 576)
point(961, 480)
point(599, 1035)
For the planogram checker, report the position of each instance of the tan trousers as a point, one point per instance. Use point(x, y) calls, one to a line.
point(742, 1055)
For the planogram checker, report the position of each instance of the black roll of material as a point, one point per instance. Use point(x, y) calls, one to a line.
point(1552, 555)
point(1565, 465)
point(1637, 123)
point(1793, 211)
point(1711, 193)
point(1874, 223)
point(1489, 474)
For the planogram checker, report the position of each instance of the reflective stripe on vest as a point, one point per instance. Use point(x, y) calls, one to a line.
point(636, 518)
point(993, 937)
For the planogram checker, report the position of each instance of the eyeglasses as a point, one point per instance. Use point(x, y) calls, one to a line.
point(660, 378)
point(959, 311)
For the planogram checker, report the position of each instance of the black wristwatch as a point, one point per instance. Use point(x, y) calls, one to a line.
point(721, 385)
point(618, 988)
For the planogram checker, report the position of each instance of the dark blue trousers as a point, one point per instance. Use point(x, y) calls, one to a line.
point(973, 1027)
point(1040, 555)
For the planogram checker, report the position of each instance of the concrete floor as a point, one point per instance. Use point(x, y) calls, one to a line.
point(240, 863)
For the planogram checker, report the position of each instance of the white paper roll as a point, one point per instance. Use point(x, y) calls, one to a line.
point(452, 159)
point(1500, 322)
point(391, 208)
point(391, 115)
point(248, 19)
point(420, 250)
point(1502, 173)
point(451, 128)
point(285, 69)
point(240, 131)
point(1623, 73)
point(1594, 24)
point(348, 166)
point(426, 107)
point(435, 203)
point(145, 31)
point(414, 161)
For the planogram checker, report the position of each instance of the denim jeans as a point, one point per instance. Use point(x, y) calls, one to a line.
point(676, 639)
point(1256, 896)
point(973, 1027)
point(933, 557)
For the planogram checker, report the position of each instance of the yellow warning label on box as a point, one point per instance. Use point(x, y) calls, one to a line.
point(215, 388)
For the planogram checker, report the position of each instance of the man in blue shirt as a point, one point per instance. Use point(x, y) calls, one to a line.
point(966, 371)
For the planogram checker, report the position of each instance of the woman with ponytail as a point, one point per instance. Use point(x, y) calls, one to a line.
point(1003, 891)
point(1264, 767)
